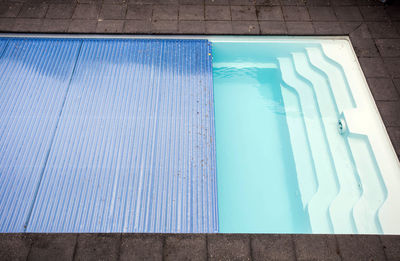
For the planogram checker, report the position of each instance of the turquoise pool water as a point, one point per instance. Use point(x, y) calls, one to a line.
point(283, 166)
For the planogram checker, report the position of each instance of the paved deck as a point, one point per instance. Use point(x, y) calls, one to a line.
point(374, 30)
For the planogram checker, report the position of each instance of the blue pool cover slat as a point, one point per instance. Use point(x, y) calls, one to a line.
point(114, 135)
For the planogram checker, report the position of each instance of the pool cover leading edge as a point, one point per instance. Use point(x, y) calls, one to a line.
point(107, 136)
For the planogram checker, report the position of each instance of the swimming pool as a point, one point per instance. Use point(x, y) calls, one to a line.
point(197, 134)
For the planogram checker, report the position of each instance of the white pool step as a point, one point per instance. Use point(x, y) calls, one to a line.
point(318, 206)
point(343, 200)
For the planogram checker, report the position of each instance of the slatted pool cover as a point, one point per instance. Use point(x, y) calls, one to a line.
point(107, 136)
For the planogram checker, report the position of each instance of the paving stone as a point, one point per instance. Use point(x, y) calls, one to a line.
point(369, 2)
point(295, 13)
point(10, 9)
point(364, 47)
point(242, 2)
point(243, 13)
point(27, 25)
point(15, 246)
point(272, 247)
point(393, 12)
point(391, 244)
point(348, 13)
point(272, 27)
point(192, 27)
point(165, 12)
point(245, 27)
point(367, 247)
point(113, 11)
point(137, 26)
point(7, 24)
point(383, 89)
point(86, 11)
point(185, 247)
point(349, 27)
point(82, 26)
point(388, 47)
point(318, 2)
point(393, 66)
point(327, 28)
point(382, 30)
point(110, 26)
point(220, 12)
point(33, 10)
point(52, 247)
point(141, 247)
point(373, 67)
point(141, 2)
point(55, 25)
point(270, 13)
point(361, 31)
point(191, 12)
point(389, 111)
point(293, 2)
point(316, 247)
point(218, 27)
point(60, 11)
point(343, 2)
point(139, 12)
point(267, 2)
point(321, 13)
point(300, 28)
point(397, 84)
point(191, 2)
point(97, 247)
point(229, 247)
point(216, 2)
point(374, 13)
point(165, 26)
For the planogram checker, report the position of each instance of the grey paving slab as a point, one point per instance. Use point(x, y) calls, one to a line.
point(392, 249)
point(360, 247)
point(325, 28)
point(139, 12)
point(185, 247)
point(218, 27)
point(60, 11)
point(137, 26)
point(364, 47)
point(7, 24)
point(55, 25)
point(110, 26)
point(191, 12)
point(374, 13)
point(373, 67)
point(229, 247)
point(300, 28)
point(245, 27)
point(391, 244)
point(10, 9)
point(393, 66)
point(164, 26)
point(86, 11)
point(295, 13)
point(382, 30)
point(388, 47)
point(111, 11)
point(217, 12)
point(316, 247)
point(15, 246)
point(348, 13)
point(33, 10)
point(141, 247)
point(82, 26)
point(272, 247)
point(97, 247)
point(322, 13)
point(165, 12)
point(243, 13)
point(389, 111)
point(272, 27)
point(216, 2)
point(192, 27)
point(383, 89)
point(52, 247)
point(293, 2)
point(28, 25)
point(269, 13)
